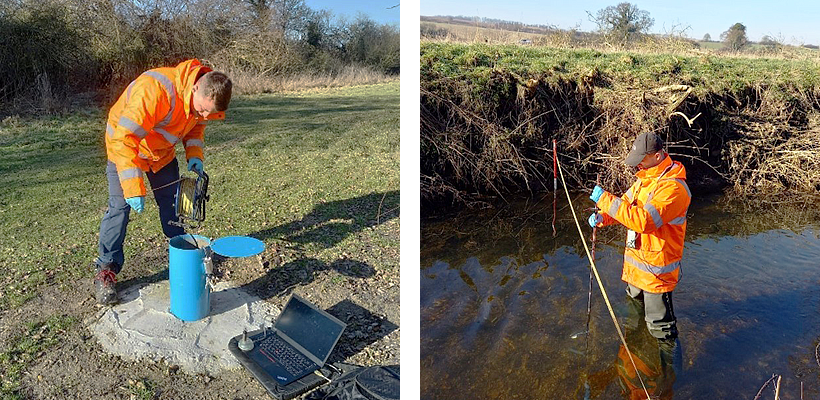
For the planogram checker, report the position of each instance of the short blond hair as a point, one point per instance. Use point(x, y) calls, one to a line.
point(216, 85)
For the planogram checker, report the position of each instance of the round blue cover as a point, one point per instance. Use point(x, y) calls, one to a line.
point(237, 246)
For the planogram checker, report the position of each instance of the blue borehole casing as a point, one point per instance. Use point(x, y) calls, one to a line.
point(190, 295)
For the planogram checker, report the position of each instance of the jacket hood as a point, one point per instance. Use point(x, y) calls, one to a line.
point(673, 169)
point(185, 77)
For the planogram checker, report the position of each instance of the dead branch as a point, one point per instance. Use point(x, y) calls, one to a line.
point(688, 120)
point(673, 88)
point(759, 392)
point(816, 355)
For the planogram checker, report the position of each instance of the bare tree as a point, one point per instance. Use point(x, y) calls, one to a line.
point(290, 16)
point(623, 22)
point(767, 40)
point(261, 13)
point(707, 38)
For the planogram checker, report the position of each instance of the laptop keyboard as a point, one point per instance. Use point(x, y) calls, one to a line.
point(280, 351)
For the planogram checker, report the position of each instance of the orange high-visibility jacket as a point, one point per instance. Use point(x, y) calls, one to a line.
point(153, 114)
point(655, 207)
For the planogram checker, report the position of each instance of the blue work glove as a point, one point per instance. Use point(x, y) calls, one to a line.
point(596, 193)
point(595, 219)
point(195, 163)
point(137, 203)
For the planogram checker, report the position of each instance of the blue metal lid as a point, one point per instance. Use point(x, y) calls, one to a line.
point(237, 246)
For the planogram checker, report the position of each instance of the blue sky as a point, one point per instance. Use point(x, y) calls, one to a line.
point(794, 22)
point(375, 9)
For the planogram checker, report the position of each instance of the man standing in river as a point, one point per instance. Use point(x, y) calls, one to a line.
point(654, 210)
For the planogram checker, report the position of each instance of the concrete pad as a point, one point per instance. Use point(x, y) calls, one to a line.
point(142, 326)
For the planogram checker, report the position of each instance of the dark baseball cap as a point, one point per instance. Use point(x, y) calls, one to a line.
point(645, 143)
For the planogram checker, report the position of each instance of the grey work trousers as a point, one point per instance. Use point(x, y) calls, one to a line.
point(115, 221)
point(658, 312)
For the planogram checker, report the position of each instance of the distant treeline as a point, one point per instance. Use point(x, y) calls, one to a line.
point(52, 48)
point(492, 23)
point(444, 27)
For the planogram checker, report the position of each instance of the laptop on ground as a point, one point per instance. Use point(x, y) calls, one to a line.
point(299, 343)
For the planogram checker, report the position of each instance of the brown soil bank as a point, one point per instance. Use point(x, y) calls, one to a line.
point(489, 115)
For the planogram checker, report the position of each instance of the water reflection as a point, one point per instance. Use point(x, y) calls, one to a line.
point(655, 361)
point(501, 300)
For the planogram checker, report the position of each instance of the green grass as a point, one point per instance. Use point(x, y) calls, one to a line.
point(23, 349)
point(311, 168)
point(142, 389)
point(711, 45)
point(706, 73)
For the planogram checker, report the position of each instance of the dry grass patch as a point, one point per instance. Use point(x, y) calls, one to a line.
point(247, 82)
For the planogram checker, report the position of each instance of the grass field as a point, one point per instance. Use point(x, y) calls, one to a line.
point(478, 34)
point(318, 170)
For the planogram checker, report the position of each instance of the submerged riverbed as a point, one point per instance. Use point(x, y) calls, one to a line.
point(503, 302)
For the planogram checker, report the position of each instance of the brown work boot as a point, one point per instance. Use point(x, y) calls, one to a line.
point(105, 285)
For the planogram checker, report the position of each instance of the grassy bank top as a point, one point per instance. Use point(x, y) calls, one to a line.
point(618, 70)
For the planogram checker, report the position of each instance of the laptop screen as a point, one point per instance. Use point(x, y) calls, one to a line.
point(313, 329)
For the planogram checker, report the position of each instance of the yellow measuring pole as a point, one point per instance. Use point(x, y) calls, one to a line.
point(600, 283)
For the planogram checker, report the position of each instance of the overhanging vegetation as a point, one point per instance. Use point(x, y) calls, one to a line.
point(490, 113)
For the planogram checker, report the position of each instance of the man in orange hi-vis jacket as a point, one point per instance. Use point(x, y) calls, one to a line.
point(654, 210)
point(160, 108)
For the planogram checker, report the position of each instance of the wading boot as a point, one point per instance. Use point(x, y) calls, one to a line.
point(671, 353)
point(105, 285)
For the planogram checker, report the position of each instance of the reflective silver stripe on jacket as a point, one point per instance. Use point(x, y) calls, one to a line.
point(652, 269)
point(653, 212)
point(143, 156)
point(109, 130)
point(656, 216)
point(613, 208)
point(682, 219)
point(685, 186)
point(193, 143)
point(167, 135)
point(132, 126)
point(678, 221)
point(630, 195)
point(169, 90)
point(130, 173)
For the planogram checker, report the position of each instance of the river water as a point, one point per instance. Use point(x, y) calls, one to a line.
point(503, 303)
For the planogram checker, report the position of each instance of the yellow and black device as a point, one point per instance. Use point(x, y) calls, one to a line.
point(192, 193)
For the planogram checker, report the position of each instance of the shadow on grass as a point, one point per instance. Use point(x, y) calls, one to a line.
point(326, 225)
point(143, 280)
point(282, 280)
point(363, 329)
point(330, 223)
